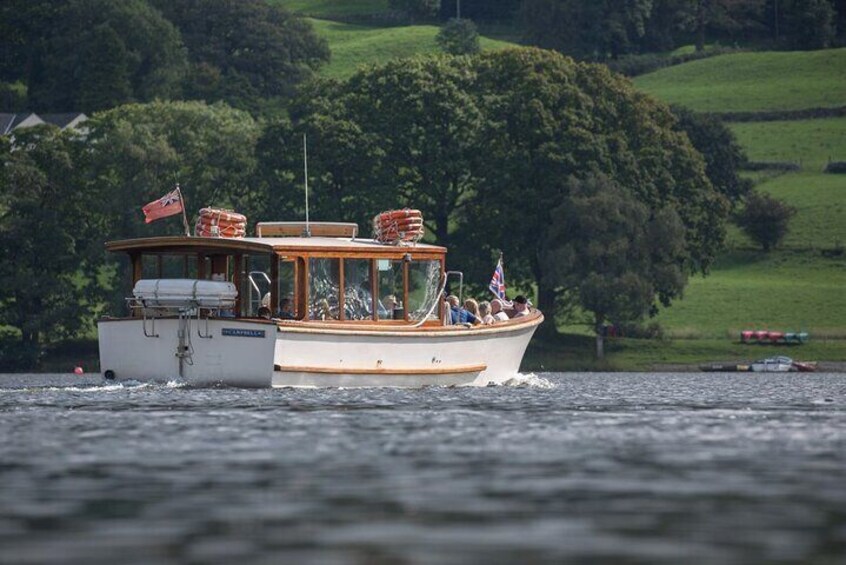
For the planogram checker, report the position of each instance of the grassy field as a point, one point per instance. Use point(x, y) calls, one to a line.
point(754, 81)
point(811, 143)
point(354, 45)
point(328, 8)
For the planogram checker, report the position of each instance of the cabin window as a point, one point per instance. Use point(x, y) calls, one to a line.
point(255, 284)
point(389, 279)
point(287, 307)
point(424, 279)
point(323, 288)
point(358, 293)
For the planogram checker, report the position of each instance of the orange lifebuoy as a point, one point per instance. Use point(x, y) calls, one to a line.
point(207, 224)
point(222, 215)
point(228, 232)
point(400, 214)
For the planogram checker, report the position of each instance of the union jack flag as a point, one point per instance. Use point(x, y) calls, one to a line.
point(497, 285)
point(167, 205)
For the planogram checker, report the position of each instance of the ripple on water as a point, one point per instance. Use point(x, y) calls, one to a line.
point(704, 468)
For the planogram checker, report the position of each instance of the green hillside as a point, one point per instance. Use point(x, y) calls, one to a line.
point(809, 143)
point(763, 81)
point(355, 45)
point(329, 8)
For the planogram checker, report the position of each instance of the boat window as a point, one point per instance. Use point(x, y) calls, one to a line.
point(255, 284)
point(390, 287)
point(287, 286)
point(424, 278)
point(323, 288)
point(179, 267)
point(358, 294)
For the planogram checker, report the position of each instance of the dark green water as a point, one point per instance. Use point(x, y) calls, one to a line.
point(594, 468)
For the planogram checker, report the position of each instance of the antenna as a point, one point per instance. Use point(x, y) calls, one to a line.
point(307, 232)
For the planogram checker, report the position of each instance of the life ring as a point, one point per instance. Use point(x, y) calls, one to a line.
point(222, 215)
point(206, 223)
point(223, 233)
point(402, 224)
point(399, 214)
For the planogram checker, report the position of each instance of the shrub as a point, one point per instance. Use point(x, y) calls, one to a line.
point(765, 219)
point(459, 37)
point(786, 166)
point(836, 167)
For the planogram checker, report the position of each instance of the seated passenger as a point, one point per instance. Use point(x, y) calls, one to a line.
point(497, 312)
point(286, 309)
point(471, 306)
point(264, 312)
point(485, 313)
point(521, 306)
point(459, 315)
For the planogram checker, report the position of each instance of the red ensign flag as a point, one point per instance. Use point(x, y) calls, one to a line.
point(167, 205)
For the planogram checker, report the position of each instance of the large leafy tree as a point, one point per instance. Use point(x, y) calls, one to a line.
point(244, 50)
point(49, 243)
point(549, 119)
point(140, 151)
point(617, 257)
point(88, 55)
point(401, 134)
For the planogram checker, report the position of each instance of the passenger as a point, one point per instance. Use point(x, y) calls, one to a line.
point(497, 312)
point(459, 315)
point(390, 303)
point(485, 313)
point(264, 312)
point(471, 306)
point(521, 306)
point(286, 309)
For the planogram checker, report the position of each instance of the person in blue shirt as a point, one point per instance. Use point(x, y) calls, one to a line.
point(459, 315)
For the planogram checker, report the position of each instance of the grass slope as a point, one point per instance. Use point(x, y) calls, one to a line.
point(762, 81)
point(811, 143)
point(328, 8)
point(353, 46)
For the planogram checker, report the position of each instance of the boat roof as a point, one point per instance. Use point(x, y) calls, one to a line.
point(183, 244)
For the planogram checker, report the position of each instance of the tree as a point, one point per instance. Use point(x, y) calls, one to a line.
point(417, 9)
point(809, 24)
point(459, 37)
point(244, 50)
point(138, 152)
point(723, 154)
point(88, 55)
point(48, 252)
point(549, 119)
point(765, 219)
point(614, 254)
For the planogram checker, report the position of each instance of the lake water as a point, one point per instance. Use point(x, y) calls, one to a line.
point(596, 468)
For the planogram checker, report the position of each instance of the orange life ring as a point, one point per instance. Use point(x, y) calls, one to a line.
point(207, 223)
point(398, 214)
point(222, 215)
point(199, 232)
point(410, 222)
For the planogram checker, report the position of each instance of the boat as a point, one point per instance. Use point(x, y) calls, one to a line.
point(300, 304)
point(779, 364)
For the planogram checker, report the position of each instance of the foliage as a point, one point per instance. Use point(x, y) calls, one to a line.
point(12, 97)
point(618, 256)
point(459, 37)
point(138, 152)
point(836, 167)
point(48, 238)
point(87, 55)
point(417, 9)
point(765, 219)
point(724, 157)
point(810, 23)
point(241, 50)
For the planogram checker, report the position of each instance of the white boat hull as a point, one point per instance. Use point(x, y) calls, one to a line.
point(239, 352)
point(300, 355)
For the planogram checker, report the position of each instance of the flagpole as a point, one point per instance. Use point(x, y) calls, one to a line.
point(184, 216)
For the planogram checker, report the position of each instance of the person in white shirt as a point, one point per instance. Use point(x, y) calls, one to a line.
point(485, 313)
point(497, 312)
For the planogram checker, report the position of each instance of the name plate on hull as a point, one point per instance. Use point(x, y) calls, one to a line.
point(238, 332)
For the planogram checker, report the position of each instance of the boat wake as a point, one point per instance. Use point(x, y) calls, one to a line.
point(520, 380)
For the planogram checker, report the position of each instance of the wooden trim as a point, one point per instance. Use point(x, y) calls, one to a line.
point(237, 278)
point(435, 370)
point(182, 244)
point(405, 289)
point(274, 284)
point(342, 315)
point(374, 289)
